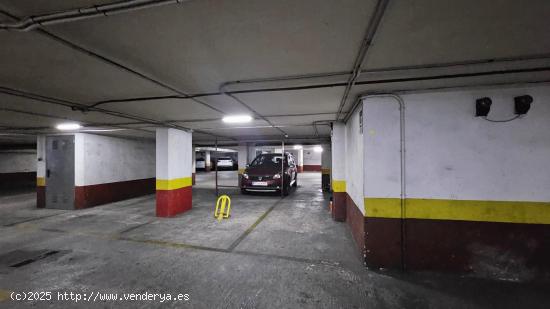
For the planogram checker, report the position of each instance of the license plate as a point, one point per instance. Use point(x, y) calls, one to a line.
point(259, 183)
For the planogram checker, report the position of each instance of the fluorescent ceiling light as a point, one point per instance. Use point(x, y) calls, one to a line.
point(297, 146)
point(237, 119)
point(68, 126)
point(318, 149)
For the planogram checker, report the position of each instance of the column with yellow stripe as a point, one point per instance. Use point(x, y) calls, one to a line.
point(338, 171)
point(173, 172)
point(41, 171)
point(326, 164)
point(242, 160)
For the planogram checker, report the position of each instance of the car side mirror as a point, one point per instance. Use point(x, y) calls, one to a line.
point(248, 165)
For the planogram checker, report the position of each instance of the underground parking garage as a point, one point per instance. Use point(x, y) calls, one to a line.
point(261, 154)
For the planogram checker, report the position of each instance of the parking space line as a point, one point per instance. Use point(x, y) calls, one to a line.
point(253, 226)
point(31, 219)
point(135, 227)
point(171, 244)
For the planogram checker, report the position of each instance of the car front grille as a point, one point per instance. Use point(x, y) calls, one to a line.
point(261, 178)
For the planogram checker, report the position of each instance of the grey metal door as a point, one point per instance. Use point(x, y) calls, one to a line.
point(60, 172)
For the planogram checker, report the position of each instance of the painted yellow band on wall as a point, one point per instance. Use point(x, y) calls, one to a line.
point(40, 181)
point(325, 171)
point(382, 207)
point(173, 184)
point(338, 185)
point(461, 210)
point(241, 171)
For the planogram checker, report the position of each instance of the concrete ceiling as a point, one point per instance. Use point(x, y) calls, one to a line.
point(197, 46)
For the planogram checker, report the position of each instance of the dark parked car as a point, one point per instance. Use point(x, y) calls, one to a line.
point(264, 174)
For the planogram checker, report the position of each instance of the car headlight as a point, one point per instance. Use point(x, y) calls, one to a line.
point(277, 176)
point(245, 176)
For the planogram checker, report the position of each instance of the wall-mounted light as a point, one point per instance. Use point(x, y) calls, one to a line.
point(318, 149)
point(522, 104)
point(69, 126)
point(483, 106)
point(297, 146)
point(237, 119)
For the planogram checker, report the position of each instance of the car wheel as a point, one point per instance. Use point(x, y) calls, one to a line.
point(286, 190)
point(243, 191)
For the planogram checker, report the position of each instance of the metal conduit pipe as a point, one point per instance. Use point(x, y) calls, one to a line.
point(365, 45)
point(120, 126)
point(79, 106)
point(117, 65)
point(387, 70)
point(401, 105)
point(366, 82)
point(32, 22)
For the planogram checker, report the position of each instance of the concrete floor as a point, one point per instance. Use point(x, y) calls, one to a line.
point(271, 253)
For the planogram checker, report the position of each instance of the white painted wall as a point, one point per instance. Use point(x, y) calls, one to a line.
point(339, 152)
point(311, 157)
point(354, 160)
point(242, 156)
point(173, 154)
point(17, 161)
point(251, 149)
point(207, 158)
point(450, 154)
point(382, 156)
point(104, 159)
point(326, 156)
point(40, 158)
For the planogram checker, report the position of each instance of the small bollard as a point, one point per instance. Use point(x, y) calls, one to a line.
point(223, 208)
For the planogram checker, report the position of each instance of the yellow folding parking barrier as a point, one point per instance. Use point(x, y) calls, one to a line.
point(223, 208)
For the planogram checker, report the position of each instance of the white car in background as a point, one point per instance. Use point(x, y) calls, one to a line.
point(225, 163)
point(200, 164)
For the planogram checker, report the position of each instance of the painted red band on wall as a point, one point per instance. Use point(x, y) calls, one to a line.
point(93, 195)
point(312, 168)
point(300, 168)
point(173, 202)
point(339, 206)
point(451, 245)
point(383, 244)
point(356, 222)
point(470, 246)
point(40, 197)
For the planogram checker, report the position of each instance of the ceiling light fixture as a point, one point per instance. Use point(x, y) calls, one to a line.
point(297, 146)
point(318, 149)
point(237, 119)
point(68, 126)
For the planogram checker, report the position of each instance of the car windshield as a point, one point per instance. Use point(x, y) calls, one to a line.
point(267, 160)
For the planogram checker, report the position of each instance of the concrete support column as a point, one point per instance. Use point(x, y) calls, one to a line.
point(207, 162)
point(242, 159)
point(173, 172)
point(300, 160)
point(194, 163)
point(338, 150)
point(251, 149)
point(326, 164)
point(41, 171)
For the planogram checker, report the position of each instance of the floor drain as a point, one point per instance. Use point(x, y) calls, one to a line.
point(34, 259)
